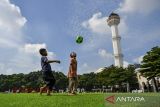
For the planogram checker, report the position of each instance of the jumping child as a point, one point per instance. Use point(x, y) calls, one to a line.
point(47, 75)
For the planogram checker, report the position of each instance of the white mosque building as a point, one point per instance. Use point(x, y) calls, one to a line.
point(113, 21)
point(144, 85)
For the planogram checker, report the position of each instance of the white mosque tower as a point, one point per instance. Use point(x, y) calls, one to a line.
point(113, 21)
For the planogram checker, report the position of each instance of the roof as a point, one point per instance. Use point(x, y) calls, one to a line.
point(113, 14)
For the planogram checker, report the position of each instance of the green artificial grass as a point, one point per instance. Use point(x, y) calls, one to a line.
point(80, 100)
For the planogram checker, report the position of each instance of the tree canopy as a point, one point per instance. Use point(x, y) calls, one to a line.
point(151, 63)
point(110, 76)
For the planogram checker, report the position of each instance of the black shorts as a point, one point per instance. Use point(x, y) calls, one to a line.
point(49, 79)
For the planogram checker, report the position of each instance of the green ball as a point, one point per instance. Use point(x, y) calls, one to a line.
point(79, 39)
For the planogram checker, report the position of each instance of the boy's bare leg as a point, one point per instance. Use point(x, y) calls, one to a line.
point(41, 90)
point(70, 88)
point(74, 88)
point(48, 91)
point(70, 91)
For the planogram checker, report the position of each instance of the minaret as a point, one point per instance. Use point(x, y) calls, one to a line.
point(113, 22)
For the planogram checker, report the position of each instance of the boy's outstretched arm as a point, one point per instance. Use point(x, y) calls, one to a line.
point(52, 61)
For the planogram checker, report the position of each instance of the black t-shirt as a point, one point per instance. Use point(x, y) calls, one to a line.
point(46, 67)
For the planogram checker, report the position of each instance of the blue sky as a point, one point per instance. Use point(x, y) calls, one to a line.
point(27, 25)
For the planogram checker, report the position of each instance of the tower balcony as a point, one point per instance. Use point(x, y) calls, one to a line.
point(113, 19)
point(116, 38)
point(118, 55)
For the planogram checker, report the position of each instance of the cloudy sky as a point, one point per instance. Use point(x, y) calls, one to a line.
point(27, 25)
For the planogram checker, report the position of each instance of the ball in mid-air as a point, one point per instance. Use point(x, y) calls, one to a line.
point(79, 39)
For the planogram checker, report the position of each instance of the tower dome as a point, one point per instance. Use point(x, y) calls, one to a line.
point(113, 14)
point(113, 19)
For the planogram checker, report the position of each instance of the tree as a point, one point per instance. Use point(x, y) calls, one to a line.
point(32, 80)
point(118, 76)
point(110, 76)
point(87, 81)
point(61, 80)
point(131, 77)
point(151, 65)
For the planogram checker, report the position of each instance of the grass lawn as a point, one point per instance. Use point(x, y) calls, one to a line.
point(80, 100)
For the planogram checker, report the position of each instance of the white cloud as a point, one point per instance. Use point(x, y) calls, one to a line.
point(139, 59)
point(86, 67)
point(98, 59)
point(33, 48)
point(26, 59)
point(125, 64)
point(98, 24)
point(139, 6)
point(104, 54)
point(11, 23)
point(101, 32)
point(16, 55)
point(11, 18)
point(11, 35)
point(109, 57)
